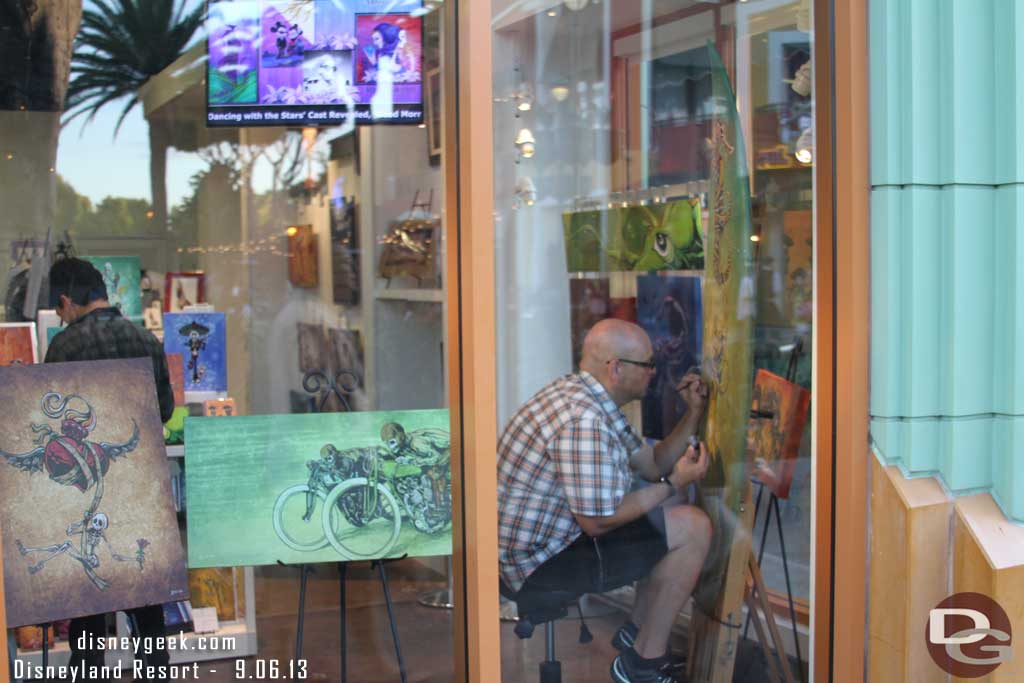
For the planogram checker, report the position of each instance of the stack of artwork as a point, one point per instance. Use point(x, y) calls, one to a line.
point(85, 438)
point(318, 488)
point(313, 51)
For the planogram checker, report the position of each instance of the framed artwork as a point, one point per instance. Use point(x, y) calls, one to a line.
point(183, 289)
point(297, 481)
point(201, 339)
point(218, 587)
point(345, 352)
point(312, 348)
point(659, 236)
point(344, 251)
point(670, 311)
point(86, 438)
point(219, 407)
point(48, 326)
point(302, 256)
point(589, 303)
point(18, 344)
point(122, 275)
point(176, 369)
point(779, 416)
point(434, 104)
point(410, 250)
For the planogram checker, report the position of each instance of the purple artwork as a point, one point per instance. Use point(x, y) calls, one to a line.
point(287, 32)
point(389, 56)
point(233, 42)
point(335, 26)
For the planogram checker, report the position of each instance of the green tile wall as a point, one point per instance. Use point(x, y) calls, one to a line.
point(947, 242)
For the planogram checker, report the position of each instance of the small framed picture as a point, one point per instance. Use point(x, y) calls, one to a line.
point(183, 289)
point(434, 104)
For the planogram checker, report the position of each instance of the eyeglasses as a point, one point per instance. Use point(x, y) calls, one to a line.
point(650, 364)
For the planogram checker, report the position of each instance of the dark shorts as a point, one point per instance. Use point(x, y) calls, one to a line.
point(596, 565)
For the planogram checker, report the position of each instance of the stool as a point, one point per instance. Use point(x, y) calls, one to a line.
point(537, 607)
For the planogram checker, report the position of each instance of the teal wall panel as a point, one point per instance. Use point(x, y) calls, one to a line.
point(947, 242)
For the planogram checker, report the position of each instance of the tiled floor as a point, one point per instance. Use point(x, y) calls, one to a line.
point(425, 633)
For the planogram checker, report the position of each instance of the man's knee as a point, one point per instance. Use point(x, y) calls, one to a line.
point(688, 525)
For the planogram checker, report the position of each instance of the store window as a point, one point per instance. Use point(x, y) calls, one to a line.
point(259, 185)
point(654, 197)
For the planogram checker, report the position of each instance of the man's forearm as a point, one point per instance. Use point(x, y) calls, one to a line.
point(634, 505)
point(671, 448)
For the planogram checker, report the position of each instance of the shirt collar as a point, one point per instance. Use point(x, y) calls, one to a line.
point(100, 313)
point(604, 399)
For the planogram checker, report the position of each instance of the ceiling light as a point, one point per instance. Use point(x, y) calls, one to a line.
point(552, 13)
point(560, 93)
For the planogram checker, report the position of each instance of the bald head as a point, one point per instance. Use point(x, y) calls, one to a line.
point(611, 339)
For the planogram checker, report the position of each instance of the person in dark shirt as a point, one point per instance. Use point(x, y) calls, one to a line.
point(98, 331)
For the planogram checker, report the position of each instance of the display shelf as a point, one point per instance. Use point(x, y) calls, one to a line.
point(418, 295)
point(177, 451)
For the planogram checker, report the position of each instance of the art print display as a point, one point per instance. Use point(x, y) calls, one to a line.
point(669, 309)
point(234, 48)
point(48, 326)
point(201, 339)
point(314, 62)
point(318, 488)
point(589, 304)
point(410, 250)
point(85, 438)
point(780, 411)
point(183, 289)
point(312, 348)
point(344, 251)
point(658, 236)
point(219, 407)
point(220, 588)
point(345, 354)
point(176, 369)
point(121, 275)
point(303, 269)
point(18, 344)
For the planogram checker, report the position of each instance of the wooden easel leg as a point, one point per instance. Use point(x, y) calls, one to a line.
point(773, 629)
point(789, 588)
point(762, 639)
point(303, 580)
point(343, 600)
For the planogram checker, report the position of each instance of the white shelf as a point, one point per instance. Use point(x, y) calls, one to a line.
point(176, 451)
point(421, 295)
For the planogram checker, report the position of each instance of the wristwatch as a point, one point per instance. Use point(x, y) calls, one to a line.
point(663, 479)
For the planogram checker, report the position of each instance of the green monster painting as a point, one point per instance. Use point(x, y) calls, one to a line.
point(652, 237)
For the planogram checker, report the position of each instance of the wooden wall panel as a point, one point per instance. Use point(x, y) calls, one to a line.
point(910, 547)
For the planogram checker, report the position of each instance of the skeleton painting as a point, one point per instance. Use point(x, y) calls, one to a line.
point(201, 340)
point(84, 437)
point(122, 276)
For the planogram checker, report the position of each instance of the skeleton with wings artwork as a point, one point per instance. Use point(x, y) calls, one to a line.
point(69, 458)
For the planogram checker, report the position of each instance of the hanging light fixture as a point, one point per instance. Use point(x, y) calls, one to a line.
point(525, 142)
point(804, 152)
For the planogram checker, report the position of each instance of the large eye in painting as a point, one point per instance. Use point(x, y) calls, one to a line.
point(661, 245)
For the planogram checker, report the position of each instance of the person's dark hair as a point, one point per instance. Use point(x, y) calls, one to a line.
point(389, 37)
point(78, 280)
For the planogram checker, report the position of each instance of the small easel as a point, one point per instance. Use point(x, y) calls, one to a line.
point(773, 505)
point(323, 386)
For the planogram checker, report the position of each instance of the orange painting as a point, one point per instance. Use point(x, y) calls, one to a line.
point(176, 368)
point(302, 256)
point(779, 415)
point(18, 344)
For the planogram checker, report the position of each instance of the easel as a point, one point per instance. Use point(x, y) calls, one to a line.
point(323, 386)
point(773, 505)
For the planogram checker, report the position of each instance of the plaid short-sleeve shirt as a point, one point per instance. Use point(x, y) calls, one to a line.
point(566, 451)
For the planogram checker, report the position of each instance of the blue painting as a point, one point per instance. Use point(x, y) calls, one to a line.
point(201, 340)
point(669, 309)
point(121, 275)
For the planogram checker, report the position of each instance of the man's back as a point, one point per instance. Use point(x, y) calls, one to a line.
point(565, 451)
point(104, 334)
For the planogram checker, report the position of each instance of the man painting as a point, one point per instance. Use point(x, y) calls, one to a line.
point(568, 519)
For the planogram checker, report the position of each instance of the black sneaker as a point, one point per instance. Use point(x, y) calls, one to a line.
point(625, 638)
point(625, 671)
